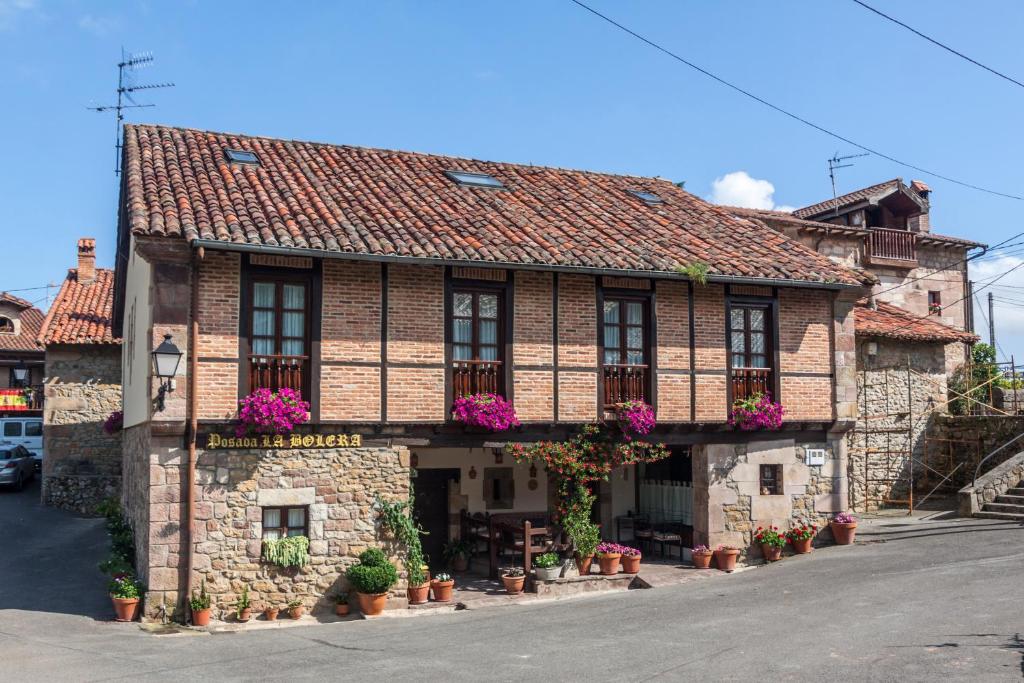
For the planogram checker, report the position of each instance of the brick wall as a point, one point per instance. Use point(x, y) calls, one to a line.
point(805, 347)
point(671, 312)
point(577, 348)
point(709, 351)
point(415, 336)
point(218, 302)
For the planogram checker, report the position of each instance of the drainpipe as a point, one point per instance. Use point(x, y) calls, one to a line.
point(193, 419)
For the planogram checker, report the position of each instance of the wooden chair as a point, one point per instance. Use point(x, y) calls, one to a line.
point(670, 533)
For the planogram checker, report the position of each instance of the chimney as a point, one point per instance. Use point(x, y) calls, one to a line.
point(920, 223)
point(86, 260)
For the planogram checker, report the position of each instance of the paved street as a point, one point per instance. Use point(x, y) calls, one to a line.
point(939, 599)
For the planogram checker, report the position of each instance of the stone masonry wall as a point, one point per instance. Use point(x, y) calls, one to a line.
point(965, 439)
point(81, 462)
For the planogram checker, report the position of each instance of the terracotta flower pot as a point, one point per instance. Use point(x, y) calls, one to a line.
point(125, 608)
point(270, 613)
point(418, 595)
point(725, 560)
point(609, 563)
point(201, 617)
point(372, 604)
point(513, 584)
point(460, 563)
point(442, 590)
point(295, 612)
point(631, 564)
point(245, 615)
point(583, 564)
point(843, 533)
point(801, 546)
point(341, 609)
point(771, 552)
point(703, 560)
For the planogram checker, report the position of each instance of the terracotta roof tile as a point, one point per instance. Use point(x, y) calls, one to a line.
point(893, 322)
point(81, 313)
point(846, 199)
point(31, 319)
point(400, 204)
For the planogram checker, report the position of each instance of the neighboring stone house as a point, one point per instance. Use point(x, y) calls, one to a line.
point(81, 462)
point(384, 284)
point(20, 353)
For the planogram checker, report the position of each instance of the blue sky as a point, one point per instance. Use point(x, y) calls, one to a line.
point(541, 82)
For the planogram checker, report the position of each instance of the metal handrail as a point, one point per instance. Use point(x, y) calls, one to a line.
point(982, 461)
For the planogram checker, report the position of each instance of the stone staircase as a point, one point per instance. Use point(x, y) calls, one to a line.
point(1009, 505)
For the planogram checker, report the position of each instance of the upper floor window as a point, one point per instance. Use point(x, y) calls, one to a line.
point(477, 341)
point(6, 325)
point(625, 341)
point(279, 334)
point(935, 302)
point(750, 352)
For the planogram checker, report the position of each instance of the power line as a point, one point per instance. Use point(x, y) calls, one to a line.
point(786, 112)
point(945, 47)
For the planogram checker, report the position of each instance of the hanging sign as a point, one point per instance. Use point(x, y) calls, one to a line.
point(215, 442)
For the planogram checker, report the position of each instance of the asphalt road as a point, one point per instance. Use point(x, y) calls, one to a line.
point(921, 601)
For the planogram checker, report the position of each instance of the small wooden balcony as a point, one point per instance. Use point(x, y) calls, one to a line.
point(747, 382)
point(278, 372)
point(24, 400)
point(477, 377)
point(624, 383)
point(892, 247)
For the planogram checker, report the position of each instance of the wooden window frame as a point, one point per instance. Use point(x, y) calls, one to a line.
point(774, 483)
point(646, 298)
point(771, 306)
point(283, 512)
point(475, 320)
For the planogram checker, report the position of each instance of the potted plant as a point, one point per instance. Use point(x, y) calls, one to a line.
point(513, 578)
point(457, 554)
point(725, 557)
point(268, 412)
point(547, 567)
point(801, 537)
point(757, 412)
point(635, 417)
point(442, 587)
point(418, 589)
point(271, 612)
point(771, 541)
point(295, 608)
point(608, 556)
point(341, 604)
point(243, 609)
point(701, 555)
point(489, 411)
point(844, 527)
point(630, 560)
point(290, 551)
point(200, 604)
point(373, 576)
point(584, 534)
point(125, 593)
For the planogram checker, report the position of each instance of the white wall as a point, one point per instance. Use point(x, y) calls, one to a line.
point(135, 358)
point(463, 458)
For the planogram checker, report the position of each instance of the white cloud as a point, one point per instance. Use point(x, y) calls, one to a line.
point(10, 9)
point(1008, 293)
point(739, 189)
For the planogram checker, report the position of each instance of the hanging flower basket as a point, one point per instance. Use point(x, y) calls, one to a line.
point(114, 422)
point(268, 412)
point(635, 418)
point(757, 412)
point(489, 411)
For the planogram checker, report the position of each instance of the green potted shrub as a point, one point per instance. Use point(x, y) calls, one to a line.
point(583, 533)
point(125, 593)
point(442, 587)
point(341, 604)
point(372, 577)
point(547, 567)
point(457, 555)
point(295, 608)
point(418, 590)
point(243, 608)
point(513, 578)
point(200, 604)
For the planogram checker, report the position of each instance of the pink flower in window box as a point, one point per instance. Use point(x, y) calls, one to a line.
point(268, 412)
point(489, 411)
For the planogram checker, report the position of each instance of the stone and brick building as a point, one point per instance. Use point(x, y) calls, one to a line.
point(20, 351)
point(81, 462)
point(384, 284)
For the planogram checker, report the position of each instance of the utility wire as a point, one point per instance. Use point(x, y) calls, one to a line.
point(937, 43)
point(786, 112)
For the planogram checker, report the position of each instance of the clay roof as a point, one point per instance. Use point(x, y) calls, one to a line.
point(393, 204)
point(847, 199)
point(31, 320)
point(81, 313)
point(893, 322)
point(791, 219)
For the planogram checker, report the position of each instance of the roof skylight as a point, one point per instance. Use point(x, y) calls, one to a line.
point(474, 179)
point(241, 156)
point(648, 197)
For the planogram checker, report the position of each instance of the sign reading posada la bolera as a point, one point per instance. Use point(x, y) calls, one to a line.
point(217, 442)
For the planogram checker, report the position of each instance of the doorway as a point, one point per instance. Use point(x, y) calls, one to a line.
point(432, 490)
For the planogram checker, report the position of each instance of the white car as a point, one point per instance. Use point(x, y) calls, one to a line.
point(26, 432)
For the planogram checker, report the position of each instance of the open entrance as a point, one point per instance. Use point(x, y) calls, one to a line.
point(432, 491)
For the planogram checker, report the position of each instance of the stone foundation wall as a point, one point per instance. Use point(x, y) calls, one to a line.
point(81, 462)
point(965, 439)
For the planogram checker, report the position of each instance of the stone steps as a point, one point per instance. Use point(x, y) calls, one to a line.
point(1015, 500)
point(1006, 516)
point(1008, 506)
point(1016, 491)
point(1004, 507)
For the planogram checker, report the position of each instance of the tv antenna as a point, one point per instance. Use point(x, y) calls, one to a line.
point(834, 163)
point(130, 62)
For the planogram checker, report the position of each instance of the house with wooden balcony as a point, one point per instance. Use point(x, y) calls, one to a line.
point(386, 285)
point(21, 363)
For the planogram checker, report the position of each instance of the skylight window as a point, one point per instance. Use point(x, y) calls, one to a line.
point(474, 179)
point(648, 197)
point(241, 156)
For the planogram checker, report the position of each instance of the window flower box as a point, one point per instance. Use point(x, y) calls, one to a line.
point(757, 412)
point(271, 412)
point(489, 411)
point(635, 418)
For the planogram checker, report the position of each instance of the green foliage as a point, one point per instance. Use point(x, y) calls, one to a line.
point(443, 577)
point(201, 600)
point(294, 603)
point(546, 561)
point(584, 534)
point(108, 507)
point(397, 518)
point(976, 381)
point(290, 551)
point(116, 565)
point(696, 271)
point(374, 574)
point(341, 598)
point(242, 602)
point(456, 549)
point(125, 587)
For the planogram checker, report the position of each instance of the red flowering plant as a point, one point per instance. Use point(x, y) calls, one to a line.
point(757, 412)
point(635, 417)
point(269, 412)
point(769, 536)
point(490, 411)
point(801, 532)
point(114, 422)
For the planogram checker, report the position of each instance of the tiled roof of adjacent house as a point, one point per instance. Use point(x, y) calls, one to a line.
point(401, 204)
point(791, 219)
point(31, 319)
point(846, 199)
point(893, 322)
point(82, 313)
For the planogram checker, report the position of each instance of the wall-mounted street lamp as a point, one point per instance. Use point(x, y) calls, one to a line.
point(166, 358)
point(21, 373)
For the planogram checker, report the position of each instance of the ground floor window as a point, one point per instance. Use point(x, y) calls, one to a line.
point(279, 522)
point(771, 480)
point(665, 488)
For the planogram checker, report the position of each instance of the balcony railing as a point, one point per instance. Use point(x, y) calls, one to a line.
point(476, 377)
point(624, 383)
point(747, 382)
point(278, 372)
point(896, 245)
point(16, 400)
